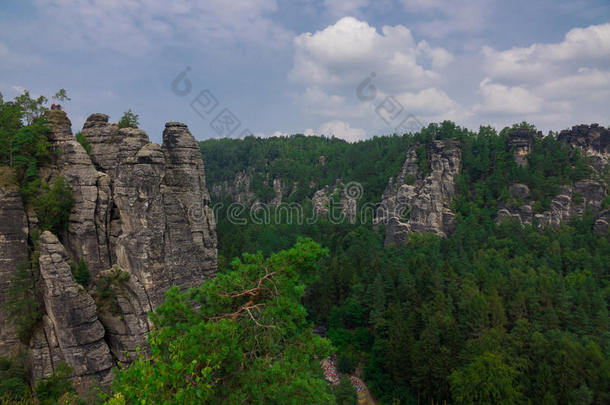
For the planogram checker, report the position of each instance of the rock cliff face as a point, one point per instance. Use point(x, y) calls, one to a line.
point(521, 142)
point(13, 249)
point(239, 190)
point(572, 201)
point(592, 139)
point(70, 320)
point(142, 223)
point(346, 199)
point(420, 200)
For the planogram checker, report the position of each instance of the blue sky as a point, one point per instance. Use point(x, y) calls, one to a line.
point(281, 67)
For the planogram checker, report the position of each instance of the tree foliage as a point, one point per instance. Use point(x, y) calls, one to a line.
point(129, 120)
point(240, 337)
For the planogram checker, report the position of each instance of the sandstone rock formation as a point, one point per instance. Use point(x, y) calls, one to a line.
point(345, 199)
point(592, 139)
point(239, 190)
point(420, 201)
point(572, 201)
point(521, 142)
point(142, 223)
point(71, 319)
point(13, 249)
point(89, 191)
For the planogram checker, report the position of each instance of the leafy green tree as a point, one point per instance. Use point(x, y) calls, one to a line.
point(31, 108)
point(129, 120)
point(345, 393)
point(248, 340)
point(81, 273)
point(53, 206)
point(13, 380)
point(485, 380)
point(58, 385)
point(22, 305)
point(82, 139)
point(61, 95)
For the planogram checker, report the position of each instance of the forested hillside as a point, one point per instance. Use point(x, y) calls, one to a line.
point(498, 312)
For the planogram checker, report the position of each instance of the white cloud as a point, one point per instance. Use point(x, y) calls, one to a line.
point(342, 130)
point(432, 104)
point(552, 83)
point(498, 98)
point(581, 47)
point(345, 53)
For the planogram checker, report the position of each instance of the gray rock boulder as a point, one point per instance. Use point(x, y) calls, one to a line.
point(13, 249)
point(72, 318)
point(90, 192)
point(420, 200)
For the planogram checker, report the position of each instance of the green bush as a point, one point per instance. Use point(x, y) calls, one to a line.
point(22, 306)
point(53, 206)
point(129, 120)
point(51, 389)
point(345, 364)
point(13, 380)
point(82, 139)
point(81, 274)
point(345, 393)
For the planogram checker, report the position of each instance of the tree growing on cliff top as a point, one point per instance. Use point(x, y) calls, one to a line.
point(248, 342)
point(129, 120)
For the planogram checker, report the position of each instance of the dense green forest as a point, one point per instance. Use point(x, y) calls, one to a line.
point(492, 314)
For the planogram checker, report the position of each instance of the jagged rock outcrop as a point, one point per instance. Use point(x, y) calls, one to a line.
point(71, 322)
point(141, 221)
point(90, 192)
point(592, 139)
point(346, 197)
point(520, 142)
point(572, 201)
point(420, 200)
point(159, 225)
point(13, 249)
point(238, 190)
point(123, 315)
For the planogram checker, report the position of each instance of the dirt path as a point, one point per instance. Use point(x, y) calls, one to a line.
point(364, 395)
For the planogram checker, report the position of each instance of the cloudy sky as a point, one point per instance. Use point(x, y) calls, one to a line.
point(349, 68)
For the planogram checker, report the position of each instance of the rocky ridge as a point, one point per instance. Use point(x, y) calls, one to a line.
point(419, 200)
point(141, 222)
point(573, 200)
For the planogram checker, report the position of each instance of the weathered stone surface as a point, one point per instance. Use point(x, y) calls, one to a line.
point(83, 239)
point(44, 353)
point(418, 201)
point(348, 203)
point(191, 227)
point(592, 139)
point(238, 190)
point(521, 142)
point(519, 191)
point(73, 317)
point(109, 144)
point(13, 249)
point(123, 316)
point(572, 201)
